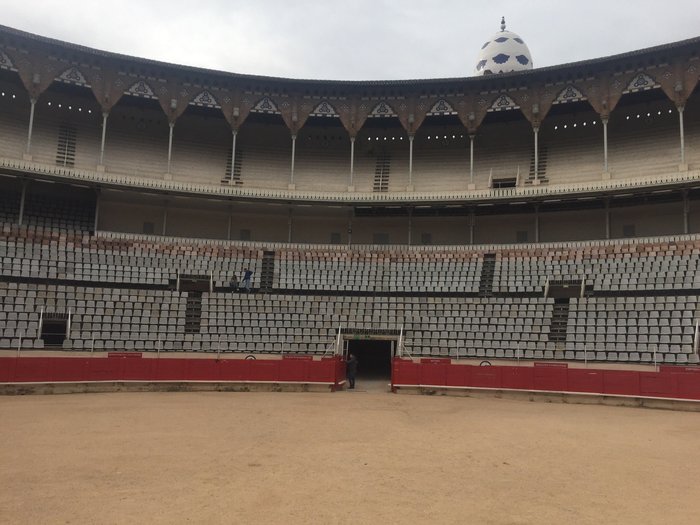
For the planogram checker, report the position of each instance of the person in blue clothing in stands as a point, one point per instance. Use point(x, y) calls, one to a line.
point(247, 274)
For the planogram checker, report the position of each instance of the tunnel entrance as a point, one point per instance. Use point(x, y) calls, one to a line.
point(373, 358)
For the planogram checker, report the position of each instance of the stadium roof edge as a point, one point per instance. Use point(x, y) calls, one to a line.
point(533, 73)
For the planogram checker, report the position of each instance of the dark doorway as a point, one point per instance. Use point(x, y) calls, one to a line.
point(53, 331)
point(373, 358)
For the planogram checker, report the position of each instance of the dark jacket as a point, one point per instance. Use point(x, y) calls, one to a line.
point(352, 366)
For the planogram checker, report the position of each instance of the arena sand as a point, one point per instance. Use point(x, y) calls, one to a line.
point(342, 458)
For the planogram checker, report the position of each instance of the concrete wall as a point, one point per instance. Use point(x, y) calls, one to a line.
point(318, 224)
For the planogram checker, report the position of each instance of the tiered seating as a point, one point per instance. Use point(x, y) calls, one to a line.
point(9, 205)
point(481, 327)
point(114, 319)
point(378, 271)
point(62, 213)
point(633, 329)
point(635, 312)
point(613, 267)
point(476, 327)
point(26, 252)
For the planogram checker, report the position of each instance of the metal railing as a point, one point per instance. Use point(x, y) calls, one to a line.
point(61, 172)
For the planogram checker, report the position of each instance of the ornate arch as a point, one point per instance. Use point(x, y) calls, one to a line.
point(265, 105)
point(569, 94)
point(205, 99)
point(641, 82)
point(324, 109)
point(73, 76)
point(382, 110)
point(441, 107)
point(142, 89)
point(503, 103)
point(6, 63)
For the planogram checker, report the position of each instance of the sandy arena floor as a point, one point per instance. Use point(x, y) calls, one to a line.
point(348, 457)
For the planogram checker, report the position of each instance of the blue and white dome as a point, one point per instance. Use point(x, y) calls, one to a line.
point(503, 53)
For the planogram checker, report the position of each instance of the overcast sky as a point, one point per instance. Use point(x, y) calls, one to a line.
point(353, 39)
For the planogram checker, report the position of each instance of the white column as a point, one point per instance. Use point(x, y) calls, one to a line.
point(233, 153)
point(22, 199)
point(680, 123)
point(104, 136)
point(605, 145)
point(410, 160)
point(31, 124)
point(537, 157)
point(352, 161)
point(471, 159)
point(294, 148)
point(170, 145)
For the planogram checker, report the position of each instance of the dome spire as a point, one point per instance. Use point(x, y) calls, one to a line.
point(503, 23)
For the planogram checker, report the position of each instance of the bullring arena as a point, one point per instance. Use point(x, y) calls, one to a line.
point(521, 246)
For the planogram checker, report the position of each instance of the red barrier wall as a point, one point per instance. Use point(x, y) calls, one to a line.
point(671, 382)
point(130, 367)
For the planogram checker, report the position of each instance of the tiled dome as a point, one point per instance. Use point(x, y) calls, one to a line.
point(503, 53)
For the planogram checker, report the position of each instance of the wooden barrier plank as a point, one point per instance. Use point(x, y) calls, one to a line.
point(585, 380)
point(7, 369)
point(518, 377)
point(458, 375)
point(657, 384)
point(486, 376)
point(550, 378)
point(405, 372)
point(624, 382)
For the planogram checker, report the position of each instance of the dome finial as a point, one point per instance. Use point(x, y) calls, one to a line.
point(503, 23)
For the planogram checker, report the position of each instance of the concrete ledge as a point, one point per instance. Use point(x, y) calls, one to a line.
point(94, 387)
point(579, 398)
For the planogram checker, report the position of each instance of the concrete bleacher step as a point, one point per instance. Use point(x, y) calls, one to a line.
point(381, 173)
point(488, 270)
point(267, 271)
point(560, 318)
point(193, 313)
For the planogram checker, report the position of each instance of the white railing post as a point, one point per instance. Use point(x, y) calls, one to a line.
point(68, 324)
point(491, 178)
point(211, 281)
point(19, 344)
point(696, 343)
point(517, 353)
point(92, 347)
point(583, 287)
point(158, 348)
point(338, 342)
point(656, 368)
point(41, 320)
point(546, 288)
point(218, 350)
point(177, 286)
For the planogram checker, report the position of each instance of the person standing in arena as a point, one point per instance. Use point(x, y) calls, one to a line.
point(247, 274)
point(351, 370)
